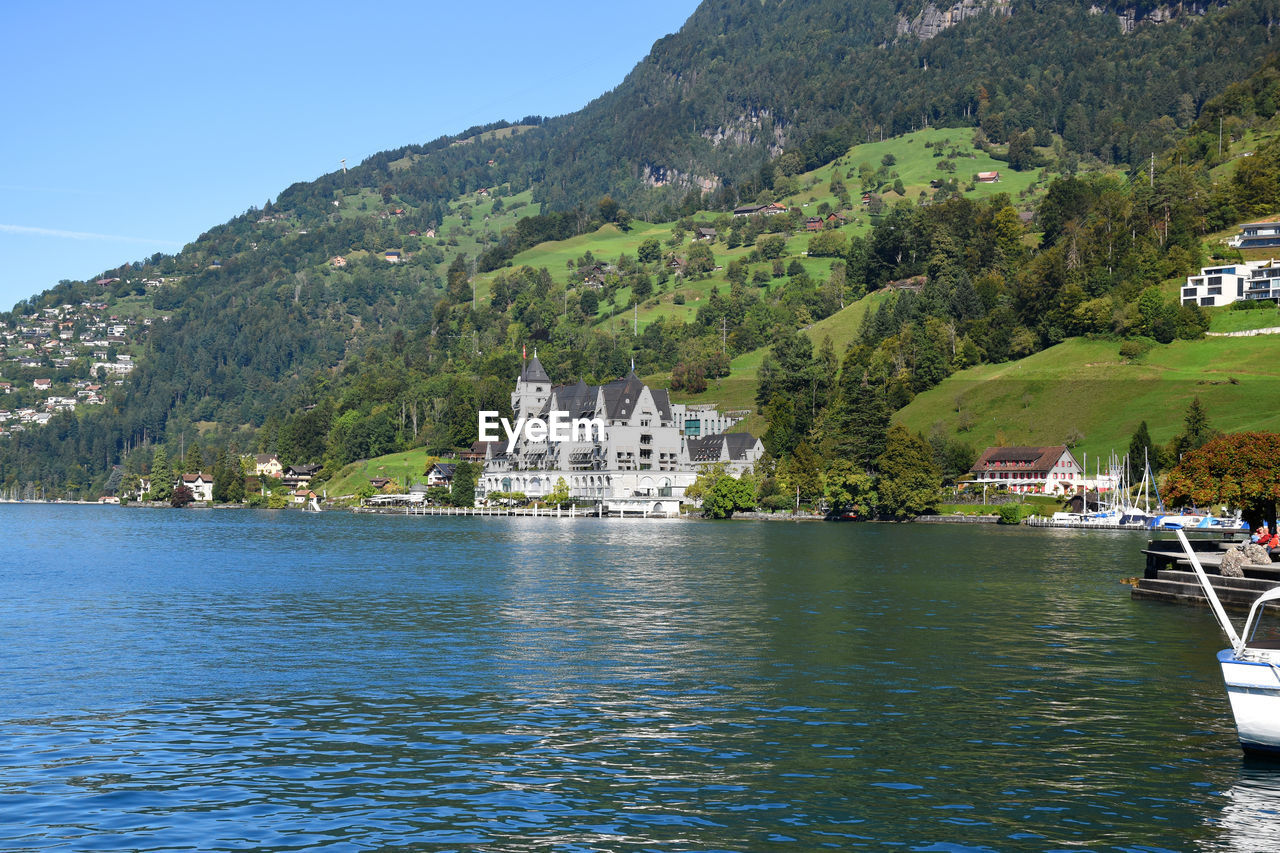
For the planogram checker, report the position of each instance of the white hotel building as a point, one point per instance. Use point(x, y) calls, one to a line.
point(641, 464)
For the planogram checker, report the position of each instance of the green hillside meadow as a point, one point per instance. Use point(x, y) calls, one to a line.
point(1083, 386)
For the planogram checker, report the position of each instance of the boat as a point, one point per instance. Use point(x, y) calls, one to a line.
point(1198, 522)
point(1251, 667)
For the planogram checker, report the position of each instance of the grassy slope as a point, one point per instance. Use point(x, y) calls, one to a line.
point(401, 467)
point(915, 165)
point(738, 389)
point(1085, 386)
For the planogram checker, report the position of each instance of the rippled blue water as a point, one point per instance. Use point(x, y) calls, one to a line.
point(242, 680)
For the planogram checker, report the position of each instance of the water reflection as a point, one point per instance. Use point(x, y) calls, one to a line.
point(1250, 816)
point(519, 684)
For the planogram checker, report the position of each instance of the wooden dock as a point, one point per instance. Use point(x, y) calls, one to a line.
point(1169, 577)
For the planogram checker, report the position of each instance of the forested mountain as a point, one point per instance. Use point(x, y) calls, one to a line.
point(260, 338)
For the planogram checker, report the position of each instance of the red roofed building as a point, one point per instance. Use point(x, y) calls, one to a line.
point(1039, 470)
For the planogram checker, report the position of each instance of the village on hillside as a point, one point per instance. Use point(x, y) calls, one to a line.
point(58, 359)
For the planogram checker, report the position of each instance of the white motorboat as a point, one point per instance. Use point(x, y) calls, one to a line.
point(1251, 667)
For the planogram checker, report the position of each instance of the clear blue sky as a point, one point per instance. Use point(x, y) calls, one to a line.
point(132, 127)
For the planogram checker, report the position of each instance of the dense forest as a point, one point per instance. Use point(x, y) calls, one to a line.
point(265, 345)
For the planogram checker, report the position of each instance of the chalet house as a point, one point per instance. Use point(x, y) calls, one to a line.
point(1030, 470)
point(759, 209)
point(813, 223)
point(481, 450)
point(299, 475)
point(836, 219)
point(379, 483)
point(267, 465)
point(201, 486)
point(338, 261)
point(302, 497)
point(42, 384)
point(676, 265)
point(6, 388)
point(430, 233)
point(1257, 235)
point(988, 177)
point(702, 233)
point(392, 256)
point(441, 474)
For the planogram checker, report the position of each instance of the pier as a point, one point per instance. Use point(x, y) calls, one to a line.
point(598, 511)
point(1168, 575)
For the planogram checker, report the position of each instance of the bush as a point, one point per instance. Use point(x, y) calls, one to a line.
point(1134, 349)
point(1252, 304)
point(774, 503)
point(1010, 513)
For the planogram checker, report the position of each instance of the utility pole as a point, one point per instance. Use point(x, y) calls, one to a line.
point(1153, 168)
point(724, 335)
point(1219, 136)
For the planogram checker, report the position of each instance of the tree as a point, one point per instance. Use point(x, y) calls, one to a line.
point(608, 209)
point(909, 482)
point(799, 474)
point(848, 488)
point(649, 251)
point(194, 462)
point(589, 302)
point(728, 495)
point(182, 495)
point(560, 495)
point(771, 246)
point(701, 258)
point(1141, 450)
point(161, 476)
point(1196, 431)
point(1240, 470)
point(463, 489)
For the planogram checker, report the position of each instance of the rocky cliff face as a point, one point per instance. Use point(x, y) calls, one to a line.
point(933, 19)
point(1131, 18)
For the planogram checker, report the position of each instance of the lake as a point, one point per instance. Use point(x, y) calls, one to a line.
point(253, 680)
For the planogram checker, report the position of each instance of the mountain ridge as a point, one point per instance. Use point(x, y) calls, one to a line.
point(264, 323)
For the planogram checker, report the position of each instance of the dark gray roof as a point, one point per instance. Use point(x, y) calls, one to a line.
point(662, 400)
point(533, 371)
point(709, 448)
point(446, 469)
point(621, 395)
point(579, 399)
point(739, 444)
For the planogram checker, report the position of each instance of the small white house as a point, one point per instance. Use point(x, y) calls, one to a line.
point(201, 486)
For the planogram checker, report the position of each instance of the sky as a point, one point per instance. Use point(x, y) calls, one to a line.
point(133, 127)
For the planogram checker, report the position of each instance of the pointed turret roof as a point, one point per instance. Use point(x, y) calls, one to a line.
point(533, 371)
